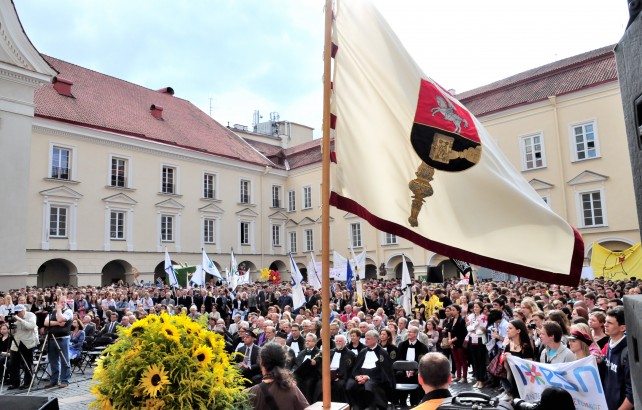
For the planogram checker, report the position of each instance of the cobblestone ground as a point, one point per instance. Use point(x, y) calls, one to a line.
point(77, 395)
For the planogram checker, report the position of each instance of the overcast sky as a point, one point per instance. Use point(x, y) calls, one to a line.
point(266, 55)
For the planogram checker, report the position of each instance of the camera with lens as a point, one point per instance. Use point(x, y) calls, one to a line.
point(532, 326)
point(519, 404)
point(11, 320)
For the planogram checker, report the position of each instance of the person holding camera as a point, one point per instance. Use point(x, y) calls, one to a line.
point(58, 324)
point(25, 336)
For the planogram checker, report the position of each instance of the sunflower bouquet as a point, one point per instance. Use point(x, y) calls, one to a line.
point(167, 362)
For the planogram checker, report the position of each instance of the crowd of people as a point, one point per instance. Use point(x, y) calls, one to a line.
point(474, 327)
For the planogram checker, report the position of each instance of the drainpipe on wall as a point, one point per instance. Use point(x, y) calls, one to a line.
point(553, 100)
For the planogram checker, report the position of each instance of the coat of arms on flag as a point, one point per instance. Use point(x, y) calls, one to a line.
point(444, 136)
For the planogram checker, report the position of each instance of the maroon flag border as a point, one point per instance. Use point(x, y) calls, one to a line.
point(573, 279)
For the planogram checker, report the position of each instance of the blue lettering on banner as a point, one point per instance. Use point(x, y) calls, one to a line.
point(593, 372)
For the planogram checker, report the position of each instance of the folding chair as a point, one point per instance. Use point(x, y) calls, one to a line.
point(401, 390)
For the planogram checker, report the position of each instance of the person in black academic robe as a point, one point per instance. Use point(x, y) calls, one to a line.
point(420, 349)
point(296, 339)
point(341, 374)
point(371, 376)
point(306, 368)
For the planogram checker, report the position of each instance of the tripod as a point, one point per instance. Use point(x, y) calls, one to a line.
point(12, 341)
point(42, 351)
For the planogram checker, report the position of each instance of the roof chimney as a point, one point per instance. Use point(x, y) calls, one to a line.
point(166, 90)
point(157, 111)
point(62, 86)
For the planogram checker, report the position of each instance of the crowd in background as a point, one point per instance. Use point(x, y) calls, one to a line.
point(474, 326)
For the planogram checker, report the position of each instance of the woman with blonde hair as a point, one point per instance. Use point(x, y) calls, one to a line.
point(582, 344)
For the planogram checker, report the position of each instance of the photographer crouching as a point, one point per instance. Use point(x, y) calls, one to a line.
point(58, 327)
point(25, 338)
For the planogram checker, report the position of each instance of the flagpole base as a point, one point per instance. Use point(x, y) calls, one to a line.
point(333, 406)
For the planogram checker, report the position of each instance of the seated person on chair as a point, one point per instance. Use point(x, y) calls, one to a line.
point(434, 378)
point(77, 339)
point(371, 376)
point(413, 350)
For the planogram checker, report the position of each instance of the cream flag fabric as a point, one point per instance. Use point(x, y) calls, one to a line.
point(396, 129)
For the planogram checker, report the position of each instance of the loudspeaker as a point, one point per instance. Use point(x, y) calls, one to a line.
point(633, 320)
point(435, 274)
point(29, 403)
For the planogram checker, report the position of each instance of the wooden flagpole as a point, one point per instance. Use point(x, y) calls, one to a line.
point(325, 211)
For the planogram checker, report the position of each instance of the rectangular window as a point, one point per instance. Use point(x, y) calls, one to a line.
point(245, 233)
point(244, 192)
point(276, 235)
point(309, 240)
point(291, 201)
point(533, 151)
point(208, 230)
point(58, 222)
point(167, 228)
point(355, 234)
point(168, 185)
point(118, 172)
point(307, 197)
point(592, 209)
point(391, 239)
point(276, 196)
point(61, 163)
point(585, 140)
point(117, 225)
point(293, 242)
point(209, 186)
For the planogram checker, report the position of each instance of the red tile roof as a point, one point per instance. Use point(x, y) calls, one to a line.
point(561, 77)
point(107, 103)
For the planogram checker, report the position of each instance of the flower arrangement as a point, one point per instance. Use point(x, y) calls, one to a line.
point(167, 362)
point(272, 275)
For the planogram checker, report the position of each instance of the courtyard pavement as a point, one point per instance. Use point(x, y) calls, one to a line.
point(77, 396)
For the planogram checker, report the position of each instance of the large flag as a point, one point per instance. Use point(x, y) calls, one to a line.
point(406, 285)
point(314, 273)
point(298, 298)
point(169, 269)
point(210, 267)
point(447, 186)
point(616, 265)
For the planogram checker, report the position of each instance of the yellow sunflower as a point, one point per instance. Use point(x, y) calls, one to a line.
point(204, 355)
point(137, 329)
point(171, 332)
point(154, 404)
point(153, 380)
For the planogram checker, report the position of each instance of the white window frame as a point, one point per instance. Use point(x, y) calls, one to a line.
point(277, 230)
point(390, 239)
point(596, 140)
point(209, 227)
point(292, 241)
point(291, 200)
point(58, 228)
point(119, 205)
point(72, 159)
point(123, 225)
point(176, 182)
point(547, 200)
point(57, 200)
point(308, 236)
point(355, 235)
point(242, 233)
point(213, 213)
point(277, 194)
point(580, 207)
point(526, 142)
point(128, 171)
point(249, 191)
point(307, 197)
point(168, 217)
point(214, 176)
